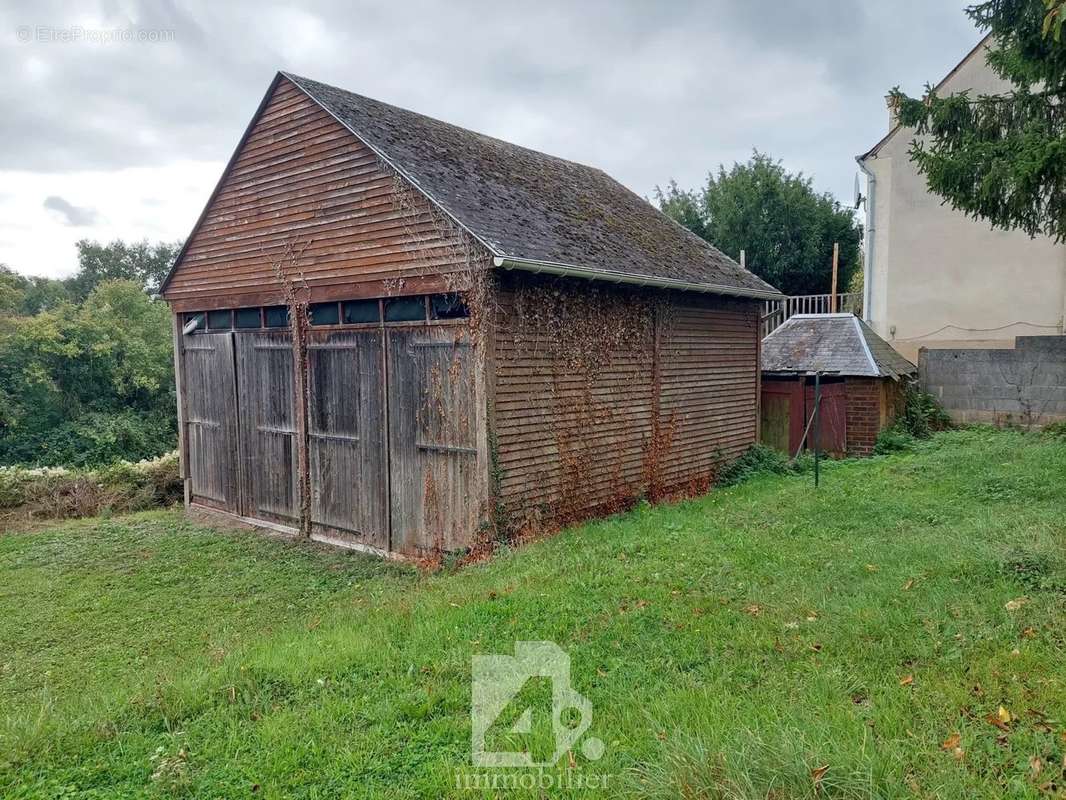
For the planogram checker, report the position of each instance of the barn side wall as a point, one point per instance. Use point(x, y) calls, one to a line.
point(605, 394)
point(306, 196)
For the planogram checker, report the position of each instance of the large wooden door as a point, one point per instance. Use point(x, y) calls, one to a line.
point(433, 452)
point(346, 437)
point(208, 382)
point(267, 412)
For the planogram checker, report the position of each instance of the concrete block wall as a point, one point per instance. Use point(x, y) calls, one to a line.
point(1023, 386)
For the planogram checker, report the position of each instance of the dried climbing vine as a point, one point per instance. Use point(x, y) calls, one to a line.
point(287, 270)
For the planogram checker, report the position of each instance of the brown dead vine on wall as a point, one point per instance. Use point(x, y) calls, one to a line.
point(584, 332)
point(287, 270)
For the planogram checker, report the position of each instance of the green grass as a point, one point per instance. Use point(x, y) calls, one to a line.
point(730, 645)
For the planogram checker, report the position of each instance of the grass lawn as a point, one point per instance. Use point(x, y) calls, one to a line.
point(731, 646)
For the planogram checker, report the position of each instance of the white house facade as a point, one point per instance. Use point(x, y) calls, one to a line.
point(933, 276)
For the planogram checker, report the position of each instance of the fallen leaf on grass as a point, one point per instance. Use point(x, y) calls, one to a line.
point(818, 773)
point(1029, 633)
point(908, 585)
point(754, 609)
point(1035, 766)
point(872, 568)
point(906, 680)
point(1014, 605)
point(951, 742)
point(1000, 719)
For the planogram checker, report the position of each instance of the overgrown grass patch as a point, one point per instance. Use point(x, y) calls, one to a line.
point(769, 639)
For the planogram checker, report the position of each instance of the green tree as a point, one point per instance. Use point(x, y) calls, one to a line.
point(784, 226)
point(88, 384)
point(144, 263)
point(1002, 157)
point(25, 295)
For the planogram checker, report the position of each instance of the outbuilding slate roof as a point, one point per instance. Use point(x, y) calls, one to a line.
point(836, 343)
point(527, 206)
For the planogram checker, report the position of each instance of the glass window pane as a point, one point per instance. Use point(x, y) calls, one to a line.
point(405, 309)
point(219, 320)
point(246, 317)
point(198, 318)
point(356, 311)
point(324, 314)
point(276, 316)
point(447, 306)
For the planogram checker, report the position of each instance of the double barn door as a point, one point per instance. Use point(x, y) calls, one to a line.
point(391, 424)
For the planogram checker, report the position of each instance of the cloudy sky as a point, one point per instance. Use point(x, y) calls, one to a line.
point(119, 115)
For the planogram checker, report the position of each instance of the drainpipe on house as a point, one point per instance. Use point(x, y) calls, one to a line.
point(1062, 319)
point(868, 255)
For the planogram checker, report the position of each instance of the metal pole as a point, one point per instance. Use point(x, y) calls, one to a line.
point(817, 422)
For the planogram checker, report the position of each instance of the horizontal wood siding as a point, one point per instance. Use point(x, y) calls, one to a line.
point(301, 182)
point(708, 387)
point(667, 400)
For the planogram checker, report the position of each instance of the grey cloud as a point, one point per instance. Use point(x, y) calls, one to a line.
point(647, 91)
point(75, 216)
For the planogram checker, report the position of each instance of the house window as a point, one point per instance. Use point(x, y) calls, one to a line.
point(325, 314)
point(219, 320)
point(405, 309)
point(358, 311)
point(246, 318)
point(276, 316)
point(447, 306)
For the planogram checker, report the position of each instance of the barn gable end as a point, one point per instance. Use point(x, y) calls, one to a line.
point(305, 195)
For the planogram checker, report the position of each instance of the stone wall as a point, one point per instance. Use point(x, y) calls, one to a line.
point(1022, 386)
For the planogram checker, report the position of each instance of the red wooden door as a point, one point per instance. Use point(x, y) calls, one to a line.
point(781, 414)
point(833, 415)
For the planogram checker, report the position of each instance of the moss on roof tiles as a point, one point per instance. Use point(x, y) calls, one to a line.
point(528, 205)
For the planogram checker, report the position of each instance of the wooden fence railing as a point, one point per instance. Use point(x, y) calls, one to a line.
point(775, 312)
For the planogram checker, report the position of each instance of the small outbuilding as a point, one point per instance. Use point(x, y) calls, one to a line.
point(861, 378)
point(398, 335)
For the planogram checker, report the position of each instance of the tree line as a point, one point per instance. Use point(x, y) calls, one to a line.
point(86, 366)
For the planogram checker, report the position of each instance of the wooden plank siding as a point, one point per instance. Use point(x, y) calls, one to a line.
point(658, 416)
point(302, 182)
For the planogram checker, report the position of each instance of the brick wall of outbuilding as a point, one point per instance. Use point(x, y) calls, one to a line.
point(864, 420)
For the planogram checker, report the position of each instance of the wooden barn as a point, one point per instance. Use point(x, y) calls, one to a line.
point(395, 334)
point(861, 384)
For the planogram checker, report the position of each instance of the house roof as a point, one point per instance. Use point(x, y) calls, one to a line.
point(940, 85)
point(535, 211)
point(838, 343)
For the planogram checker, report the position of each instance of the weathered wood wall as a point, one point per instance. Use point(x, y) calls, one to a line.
point(301, 180)
point(602, 395)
